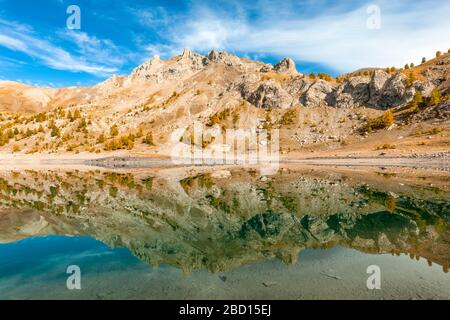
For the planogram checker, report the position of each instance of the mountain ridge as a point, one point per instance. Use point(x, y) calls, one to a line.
point(219, 89)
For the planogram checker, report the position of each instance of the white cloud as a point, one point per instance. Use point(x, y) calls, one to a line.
point(12, 43)
point(21, 38)
point(337, 37)
point(161, 50)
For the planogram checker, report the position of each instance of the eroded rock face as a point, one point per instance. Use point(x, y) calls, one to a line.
point(424, 87)
point(438, 73)
point(376, 85)
point(392, 94)
point(381, 91)
point(158, 71)
point(354, 92)
point(269, 95)
point(266, 68)
point(318, 94)
point(438, 112)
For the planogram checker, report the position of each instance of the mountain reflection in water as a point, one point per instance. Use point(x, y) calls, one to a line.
point(192, 220)
point(198, 219)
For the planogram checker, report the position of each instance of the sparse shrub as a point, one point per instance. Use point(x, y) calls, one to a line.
point(386, 146)
point(29, 133)
point(148, 139)
point(424, 60)
point(410, 80)
point(113, 192)
point(388, 118)
point(55, 131)
point(15, 148)
point(148, 182)
point(124, 142)
point(235, 117)
point(101, 138)
point(324, 76)
point(82, 124)
point(139, 133)
point(66, 137)
point(4, 139)
point(70, 148)
point(446, 97)
point(114, 131)
point(379, 123)
point(41, 117)
point(274, 76)
point(77, 114)
point(435, 97)
point(390, 203)
point(70, 116)
point(288, 117)
point(434, 131)
point(128, 142)
point(417, 102)
point(218, 117)
point(438, 54)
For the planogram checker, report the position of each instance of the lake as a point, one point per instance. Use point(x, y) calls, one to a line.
point(305, 232)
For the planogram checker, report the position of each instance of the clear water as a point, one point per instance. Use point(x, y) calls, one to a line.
point(304, 233)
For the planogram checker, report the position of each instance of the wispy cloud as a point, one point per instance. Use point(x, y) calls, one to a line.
point(155, 18)
point(337, 35)
point(10, 63)
point(22, 38)
point(94, 48)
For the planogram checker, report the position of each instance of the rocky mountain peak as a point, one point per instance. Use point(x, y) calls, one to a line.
point(222, 57)
point(161, 70)
point(287, 65)
point(186, 53)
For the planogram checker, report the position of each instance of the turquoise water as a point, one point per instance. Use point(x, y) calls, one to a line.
point(36, 256)
point(36, 269)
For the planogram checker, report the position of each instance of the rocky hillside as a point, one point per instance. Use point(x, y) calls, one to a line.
point(137, 113)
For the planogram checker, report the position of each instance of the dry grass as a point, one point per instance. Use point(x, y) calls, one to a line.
point(280, 77)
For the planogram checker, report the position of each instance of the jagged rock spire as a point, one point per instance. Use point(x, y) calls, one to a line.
point(186, 53)
point(287, 65)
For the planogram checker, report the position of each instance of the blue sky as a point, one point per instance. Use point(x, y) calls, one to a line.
point(36, 47)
